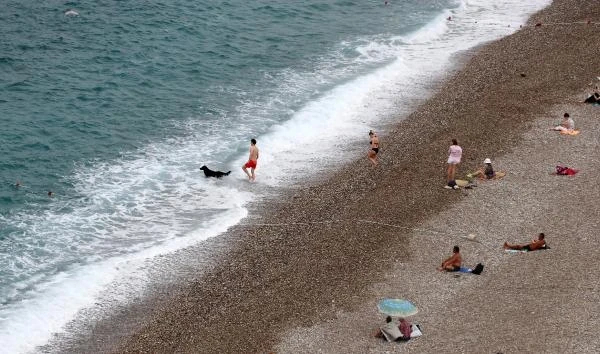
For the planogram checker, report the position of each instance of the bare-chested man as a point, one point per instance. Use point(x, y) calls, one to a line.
point(532, 246)
point(453, 263)
point(252, 159)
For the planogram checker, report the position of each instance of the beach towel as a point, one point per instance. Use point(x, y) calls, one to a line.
point(515, 251)
point(525, 251)
point(570, 132)
point(461, 182)
point(415, 331)
point(477, 270)
point(497, 175)
point(467, 184)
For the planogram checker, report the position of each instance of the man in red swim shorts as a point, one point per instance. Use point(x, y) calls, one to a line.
point(252, 159)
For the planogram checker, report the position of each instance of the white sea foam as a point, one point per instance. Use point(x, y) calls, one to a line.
point(50, 304)
point(156, 201)
point(71, 12)
point(313, 138)
point(127, 218)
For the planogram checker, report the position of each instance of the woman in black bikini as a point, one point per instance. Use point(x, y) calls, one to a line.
point(374, 147)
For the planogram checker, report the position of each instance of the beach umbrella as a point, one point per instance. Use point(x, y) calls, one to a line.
point(397, 307)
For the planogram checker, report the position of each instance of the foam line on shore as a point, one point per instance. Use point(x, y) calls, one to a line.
point(322, 270)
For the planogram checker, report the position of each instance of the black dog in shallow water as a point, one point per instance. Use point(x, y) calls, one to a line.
point(210, 173)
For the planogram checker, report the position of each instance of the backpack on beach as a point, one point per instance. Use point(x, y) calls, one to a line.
point(565, 171)
point(478, 269)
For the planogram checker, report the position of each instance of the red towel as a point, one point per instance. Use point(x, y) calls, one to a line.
point(565, 171)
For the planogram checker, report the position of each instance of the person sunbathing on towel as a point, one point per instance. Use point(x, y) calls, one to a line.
point(453, 263)
point(534, 245)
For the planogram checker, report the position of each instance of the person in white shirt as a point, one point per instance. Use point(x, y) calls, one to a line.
point(455, 154)
point(567, 124)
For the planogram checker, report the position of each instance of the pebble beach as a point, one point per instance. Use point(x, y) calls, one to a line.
point(304, 275)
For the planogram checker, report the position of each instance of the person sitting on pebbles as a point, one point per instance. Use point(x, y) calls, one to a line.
point(452, 263)
point(567, 125)
point(395, 332)
point(486, 172)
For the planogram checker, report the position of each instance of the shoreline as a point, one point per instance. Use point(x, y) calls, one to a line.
point(275, 283)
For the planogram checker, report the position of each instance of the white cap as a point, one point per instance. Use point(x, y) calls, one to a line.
point(487, 160)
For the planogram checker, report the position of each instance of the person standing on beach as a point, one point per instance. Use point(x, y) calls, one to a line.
point(373, 147)
point(252, 159)
point(455, 154)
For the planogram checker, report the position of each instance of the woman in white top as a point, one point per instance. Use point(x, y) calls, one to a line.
point(455, 153)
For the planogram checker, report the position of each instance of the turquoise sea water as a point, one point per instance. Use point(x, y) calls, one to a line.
point(115, 108)
point(77, 89)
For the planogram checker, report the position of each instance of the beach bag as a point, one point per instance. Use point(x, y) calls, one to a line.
point(561, 170)
point(415, 331)
point(565, 171)
point(478, 269)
